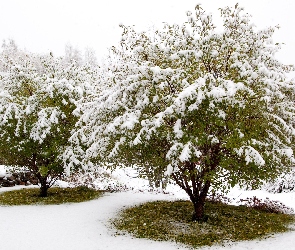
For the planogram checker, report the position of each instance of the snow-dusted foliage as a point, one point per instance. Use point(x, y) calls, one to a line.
point(38, 95)
point(116, 179)
point(202, 106)
point(282, 184)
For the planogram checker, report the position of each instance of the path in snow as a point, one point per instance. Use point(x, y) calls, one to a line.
point(85, 226)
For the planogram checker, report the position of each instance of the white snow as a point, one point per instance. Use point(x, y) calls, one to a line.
point(87, 225)
point(2, 171)
point(73, 226)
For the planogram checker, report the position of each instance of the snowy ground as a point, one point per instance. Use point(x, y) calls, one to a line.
point(83, 226)
point(86, 226)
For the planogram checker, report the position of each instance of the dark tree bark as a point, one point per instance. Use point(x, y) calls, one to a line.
point(45, 180)
point(43, 190)
point(199, 204)
point(194, 179)
point(44, 186)
point(195, 188)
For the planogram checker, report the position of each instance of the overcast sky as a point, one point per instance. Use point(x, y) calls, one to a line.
point(48, 25)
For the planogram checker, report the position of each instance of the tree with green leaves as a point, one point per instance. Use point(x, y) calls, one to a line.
point(209, 108)
point(38, 95)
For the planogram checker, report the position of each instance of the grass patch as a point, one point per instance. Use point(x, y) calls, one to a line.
point(30, 196)
point(171, 221)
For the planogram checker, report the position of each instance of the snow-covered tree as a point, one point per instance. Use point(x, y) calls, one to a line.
point(9, 46)
point(90, 57)
point(72, 55)
point(38, 95)
point(209, 108)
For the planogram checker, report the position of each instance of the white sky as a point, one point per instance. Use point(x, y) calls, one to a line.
point(48, 25)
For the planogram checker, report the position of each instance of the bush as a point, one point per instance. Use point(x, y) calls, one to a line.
point(267, 205)
point(218, 198)
point(96, 179)
point(283, 184)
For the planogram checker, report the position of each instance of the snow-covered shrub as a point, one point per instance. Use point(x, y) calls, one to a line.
point(283, 184)
point(103, 178)
point(266, 205)
point(99, 178)
point(218, 198)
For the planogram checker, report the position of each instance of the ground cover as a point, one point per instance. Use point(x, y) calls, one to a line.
point(56, 195)
point(172, 221)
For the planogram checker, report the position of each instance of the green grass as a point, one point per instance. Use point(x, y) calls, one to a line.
point(55, 196)
point(171, 221)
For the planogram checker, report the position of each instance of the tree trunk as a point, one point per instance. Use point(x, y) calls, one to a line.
point(195, 179)
point(43, 186)
point(195, 187)
point(199, 207)
point(43, 191)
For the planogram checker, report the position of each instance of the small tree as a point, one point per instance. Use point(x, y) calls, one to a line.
point(37, 100)
point(210, 109)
